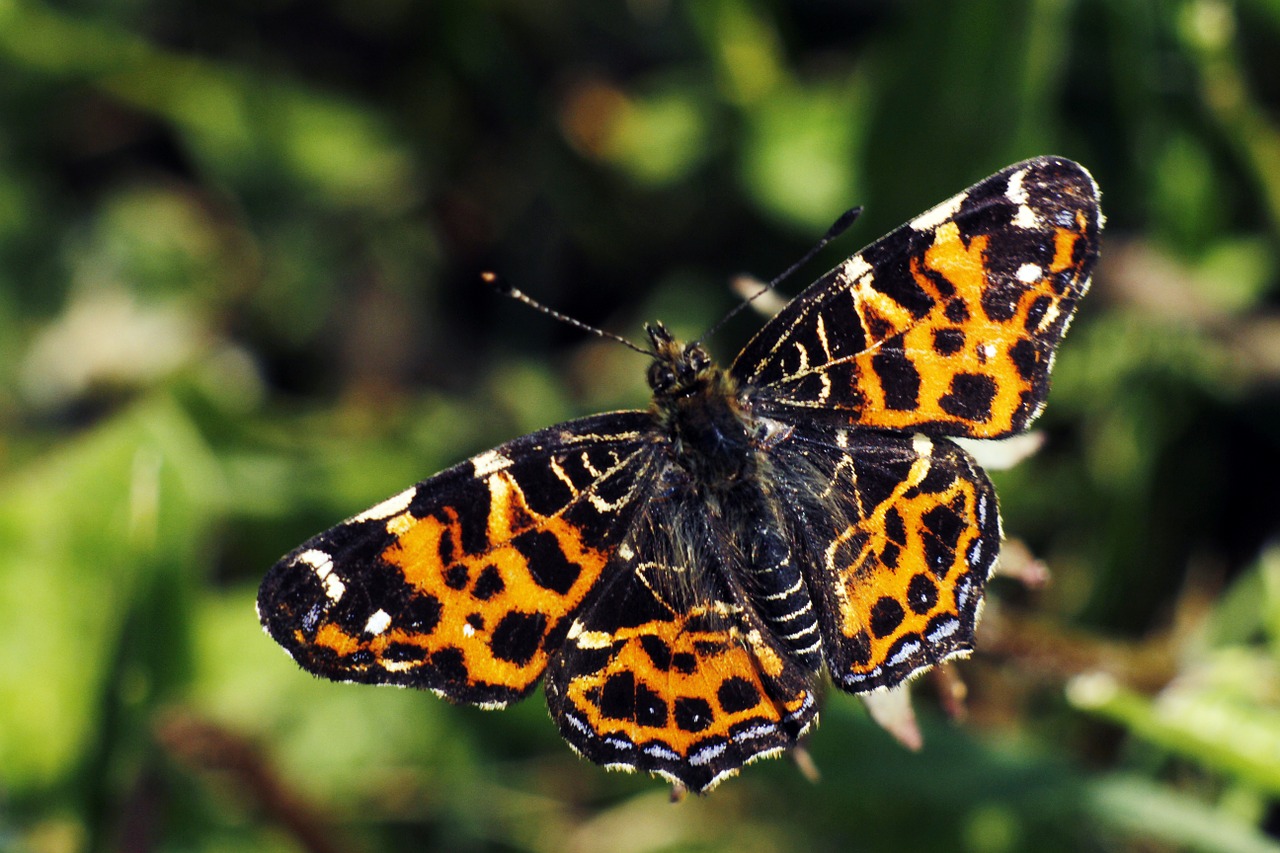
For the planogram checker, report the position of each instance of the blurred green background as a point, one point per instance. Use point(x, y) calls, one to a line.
point(239, 301)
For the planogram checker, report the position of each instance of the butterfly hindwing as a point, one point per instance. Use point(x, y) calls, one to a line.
point(671, 671)
point(456, 584)
point(948, 325)
point(900, 533)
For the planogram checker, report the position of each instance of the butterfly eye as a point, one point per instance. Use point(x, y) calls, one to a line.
point(661, 377)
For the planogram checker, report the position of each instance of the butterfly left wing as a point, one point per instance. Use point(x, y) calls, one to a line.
point(670, 670)
point(463, 584)
point(947, 325)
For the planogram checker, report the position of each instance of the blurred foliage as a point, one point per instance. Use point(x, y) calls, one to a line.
point(239, 301)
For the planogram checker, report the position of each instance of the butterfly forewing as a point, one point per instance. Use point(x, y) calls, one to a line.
point(948, 325)
point(459, 584)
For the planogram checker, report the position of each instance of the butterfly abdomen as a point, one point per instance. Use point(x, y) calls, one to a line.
point(779, 593)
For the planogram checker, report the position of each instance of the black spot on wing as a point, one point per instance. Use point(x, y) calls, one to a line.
point(941, 533)
point(1025, 357)
point(469, 495)
point(886, 615)
point(456, 576)
point(692, 713)
point(899, 379)
point(623, 697)
point(858, 649)
point(657, 650)
point(922, 594)
point(489, 583)
point(516, 638)
point(684, 663)
point(547, 563)
point(420, 614)
point(956, 311)
point(970, 397)
point(948, 341)
point(450, 667)
point(1035, 314)
point(737, 694)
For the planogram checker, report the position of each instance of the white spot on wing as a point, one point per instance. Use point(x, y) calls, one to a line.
point(922, 445)
point(931, 219)
point(584, 639)
point(822, 338)
point(907, 650)
point(1050, 315)
point(1029, 273)
point(657, 750)
point(558, 470)
point(391, 506)
point(707, 754)
point(1015, 192)
point(855, 268)
point(322, 564)
point(490, 462)
point(944, 630)
point(756, 731)
point(1025, 218)
point(396, 665)
point(378, 622)
point(803, 366)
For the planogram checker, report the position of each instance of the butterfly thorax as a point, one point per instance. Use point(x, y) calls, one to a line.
point(697, 406)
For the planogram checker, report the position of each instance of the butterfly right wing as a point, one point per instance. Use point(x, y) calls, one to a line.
point(947, 325)
point(464, 583)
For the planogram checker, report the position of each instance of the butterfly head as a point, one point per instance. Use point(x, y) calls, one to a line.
point(678, 370)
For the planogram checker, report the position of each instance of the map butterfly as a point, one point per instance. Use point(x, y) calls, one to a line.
point(680, 576)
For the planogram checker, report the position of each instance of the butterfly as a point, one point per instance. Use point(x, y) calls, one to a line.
point(679, 577)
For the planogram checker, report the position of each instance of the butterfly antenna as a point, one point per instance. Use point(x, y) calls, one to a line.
point(507, 289)
point(837, 228)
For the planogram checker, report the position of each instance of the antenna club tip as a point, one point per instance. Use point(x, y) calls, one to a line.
point(846, 219)
point(498, 284)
